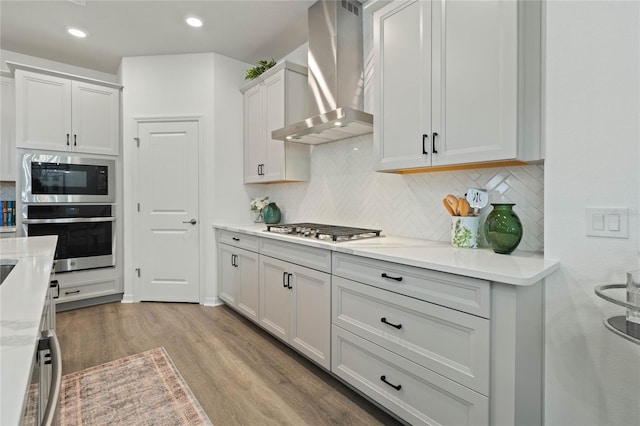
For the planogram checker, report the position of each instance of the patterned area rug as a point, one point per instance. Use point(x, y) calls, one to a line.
point(142, 389)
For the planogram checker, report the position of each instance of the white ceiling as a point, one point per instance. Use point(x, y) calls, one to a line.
point(247, 30)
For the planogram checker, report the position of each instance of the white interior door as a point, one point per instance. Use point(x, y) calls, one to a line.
point(168, 249)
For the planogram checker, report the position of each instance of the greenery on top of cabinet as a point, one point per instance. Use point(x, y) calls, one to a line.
point(261, 67)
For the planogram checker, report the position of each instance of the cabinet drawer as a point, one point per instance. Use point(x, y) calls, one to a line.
point(465, 294)
point(444, 340)
point(422, 396)
point(237, 239)
point(88, 290)
point(300, 254)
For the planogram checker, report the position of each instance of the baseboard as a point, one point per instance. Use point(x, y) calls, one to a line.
point(212, 301)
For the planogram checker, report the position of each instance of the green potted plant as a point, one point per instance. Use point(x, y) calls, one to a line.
point(261, 67)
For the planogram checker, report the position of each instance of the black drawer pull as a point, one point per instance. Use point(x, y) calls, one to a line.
point(235, 239)
point(396, 387)
point(384, 320)
point(72, 292)
point(384, 275)
point(55, 284)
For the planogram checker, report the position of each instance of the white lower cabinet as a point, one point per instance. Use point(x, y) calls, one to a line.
point(238, 272)
point(239, 279)
point(295, 307)
point(416, 341)
point(83, 285)
point(431, 347)
point(414, 393)
point(449, 342)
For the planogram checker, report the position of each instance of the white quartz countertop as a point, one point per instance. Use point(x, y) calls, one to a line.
point(22, 298)
point(519, 268)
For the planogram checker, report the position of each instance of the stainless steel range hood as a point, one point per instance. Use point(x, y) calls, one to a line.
point(335, 76)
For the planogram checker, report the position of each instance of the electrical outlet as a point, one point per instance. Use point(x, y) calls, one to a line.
point(607, 222)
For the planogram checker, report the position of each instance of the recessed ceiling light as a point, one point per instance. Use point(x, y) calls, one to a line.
point(194, 21)
point(76, 32)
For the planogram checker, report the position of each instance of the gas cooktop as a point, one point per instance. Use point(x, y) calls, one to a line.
point(324, 232)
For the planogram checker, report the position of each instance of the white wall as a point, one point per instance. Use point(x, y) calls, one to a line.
point(185, 85)
point(593, 158)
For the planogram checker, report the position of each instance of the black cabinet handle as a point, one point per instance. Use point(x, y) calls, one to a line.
point(284, 280)
point(384, 320)
point(234, 260)
point(396, 387)
point(67, 139)
point(289, 281)
point(75, 140)
point(384, 275)
point(425, 138)
point(55, 284)
point(433, 143)
point(235, 239)
point(72, 292)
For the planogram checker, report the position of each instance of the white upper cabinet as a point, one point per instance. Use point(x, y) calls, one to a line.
point(273, 100)
point(61, 114)
point(8, 131)
point(450, 85)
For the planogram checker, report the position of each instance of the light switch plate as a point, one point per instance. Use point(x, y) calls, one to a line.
point(607, 222)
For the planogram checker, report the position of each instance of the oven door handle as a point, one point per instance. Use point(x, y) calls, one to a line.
point(51, 410)
point(68, 220)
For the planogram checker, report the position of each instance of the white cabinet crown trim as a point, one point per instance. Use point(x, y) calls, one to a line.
point(13, 66)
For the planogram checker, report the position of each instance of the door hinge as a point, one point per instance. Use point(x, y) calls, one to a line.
point(137, 141)
point(138, 271)
point(138, 206)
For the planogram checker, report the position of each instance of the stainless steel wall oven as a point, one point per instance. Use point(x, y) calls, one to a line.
point(73, 198)
point(86, 233)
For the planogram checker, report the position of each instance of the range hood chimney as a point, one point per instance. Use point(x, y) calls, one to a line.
point(335, 76)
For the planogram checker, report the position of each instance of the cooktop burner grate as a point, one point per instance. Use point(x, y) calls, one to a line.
point(324, 232)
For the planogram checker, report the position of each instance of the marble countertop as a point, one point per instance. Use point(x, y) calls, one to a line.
point(519, 268)
point(22, 299)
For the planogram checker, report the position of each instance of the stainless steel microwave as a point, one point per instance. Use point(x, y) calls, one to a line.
point(54, 178)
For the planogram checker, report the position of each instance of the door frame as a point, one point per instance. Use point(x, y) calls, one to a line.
point(131, 215)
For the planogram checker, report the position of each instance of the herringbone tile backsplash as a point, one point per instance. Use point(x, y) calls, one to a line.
point(345, 190)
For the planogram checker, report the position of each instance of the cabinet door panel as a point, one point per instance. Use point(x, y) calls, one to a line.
point(311, 314)
point(253, 134)
point(274, 108)
point(95, 112)
point(43, 111)
point(247, 289)
point(227, 274)
point(8, 131)
point(274, 297)
point(422, 397)
point(475, 81)
point(403, 79)
point(443, 340)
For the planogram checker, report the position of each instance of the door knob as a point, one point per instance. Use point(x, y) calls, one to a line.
point(192, 221)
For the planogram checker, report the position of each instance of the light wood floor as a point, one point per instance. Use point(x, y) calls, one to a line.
point(239, 373)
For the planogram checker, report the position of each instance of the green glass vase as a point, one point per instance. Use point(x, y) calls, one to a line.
point(503, 228)
point(271, 214)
